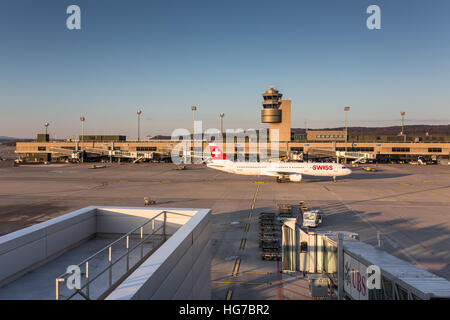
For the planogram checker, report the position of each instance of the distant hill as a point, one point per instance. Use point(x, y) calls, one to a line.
point(3, 138)
point(11, 141)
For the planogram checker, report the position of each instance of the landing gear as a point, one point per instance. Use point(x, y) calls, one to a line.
point(334, 178)
point(278, 179)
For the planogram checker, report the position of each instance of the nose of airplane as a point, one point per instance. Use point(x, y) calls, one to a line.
point(348, 171)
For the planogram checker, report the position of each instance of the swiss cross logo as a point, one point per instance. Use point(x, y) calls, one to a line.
point(216, 152)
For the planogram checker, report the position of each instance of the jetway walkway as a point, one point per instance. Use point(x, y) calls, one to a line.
point(352, 266)
point(121, 154)
point(72, 154)
point(322, 153)
point(356, 156)
point(137, 156)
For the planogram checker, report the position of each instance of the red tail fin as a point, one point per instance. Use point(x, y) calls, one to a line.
point(216, 153)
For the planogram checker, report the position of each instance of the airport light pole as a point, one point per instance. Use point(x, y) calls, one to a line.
point(139, 124)
point(402, 113)
point(46, 126)
point(346, 109)
point(221, 122)
point(82, 119)
point(193, 108)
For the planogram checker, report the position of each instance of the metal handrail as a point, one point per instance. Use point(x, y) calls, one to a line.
point(62, 277)
point(86, 285)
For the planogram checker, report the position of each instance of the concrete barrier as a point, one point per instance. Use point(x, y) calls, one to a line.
point(179, 269)
point(29, 248)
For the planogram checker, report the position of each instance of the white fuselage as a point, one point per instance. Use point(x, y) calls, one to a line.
point(281, 169)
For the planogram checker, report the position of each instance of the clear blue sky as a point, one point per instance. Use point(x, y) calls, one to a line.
point(165, 56)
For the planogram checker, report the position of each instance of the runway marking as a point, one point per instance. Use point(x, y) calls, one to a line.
point(242, 243)
point(298, 293)
point(237, 264)
point(240, 282)
point(427, 181)
point(285, 281)
point(404, 184)
point(256, 272)
point(253, 203)
point(229, 294)
point(213, 178)
point(242, 272)
point(123, 180)
point(259, 182)
point(280, 296)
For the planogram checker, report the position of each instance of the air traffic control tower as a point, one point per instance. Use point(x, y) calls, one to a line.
point(277, 113)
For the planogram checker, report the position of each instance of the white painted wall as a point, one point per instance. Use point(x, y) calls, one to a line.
point(122, 220)
point(179, 269)
point(26, 249)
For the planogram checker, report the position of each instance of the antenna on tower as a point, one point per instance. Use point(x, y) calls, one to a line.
point(273, 86)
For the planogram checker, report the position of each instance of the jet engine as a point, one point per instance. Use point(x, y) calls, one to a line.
point(295, 177)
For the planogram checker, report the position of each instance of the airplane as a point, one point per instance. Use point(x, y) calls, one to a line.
point(291, 171)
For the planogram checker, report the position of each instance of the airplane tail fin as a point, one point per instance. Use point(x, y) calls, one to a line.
point(216, 153)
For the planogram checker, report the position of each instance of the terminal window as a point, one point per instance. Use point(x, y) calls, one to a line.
point(434, 149)
point(355, 149)
point(324, 136)
point(360, 149)
point(145, 148)
point(41, 148)
point(400, 149)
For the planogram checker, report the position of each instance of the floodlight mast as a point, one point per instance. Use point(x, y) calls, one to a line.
point(346, 109)
point(139, 124)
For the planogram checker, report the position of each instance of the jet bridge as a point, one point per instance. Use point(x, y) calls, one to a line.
point(356, 156)
point(136, 156)
point(71, 154)
point(348, 264)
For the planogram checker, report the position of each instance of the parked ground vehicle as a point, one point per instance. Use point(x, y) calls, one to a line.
point(312, 218)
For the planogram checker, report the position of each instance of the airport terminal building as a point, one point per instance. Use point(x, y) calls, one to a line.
point(293, 144)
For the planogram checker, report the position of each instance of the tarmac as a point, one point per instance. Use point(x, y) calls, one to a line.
point(409, 204)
